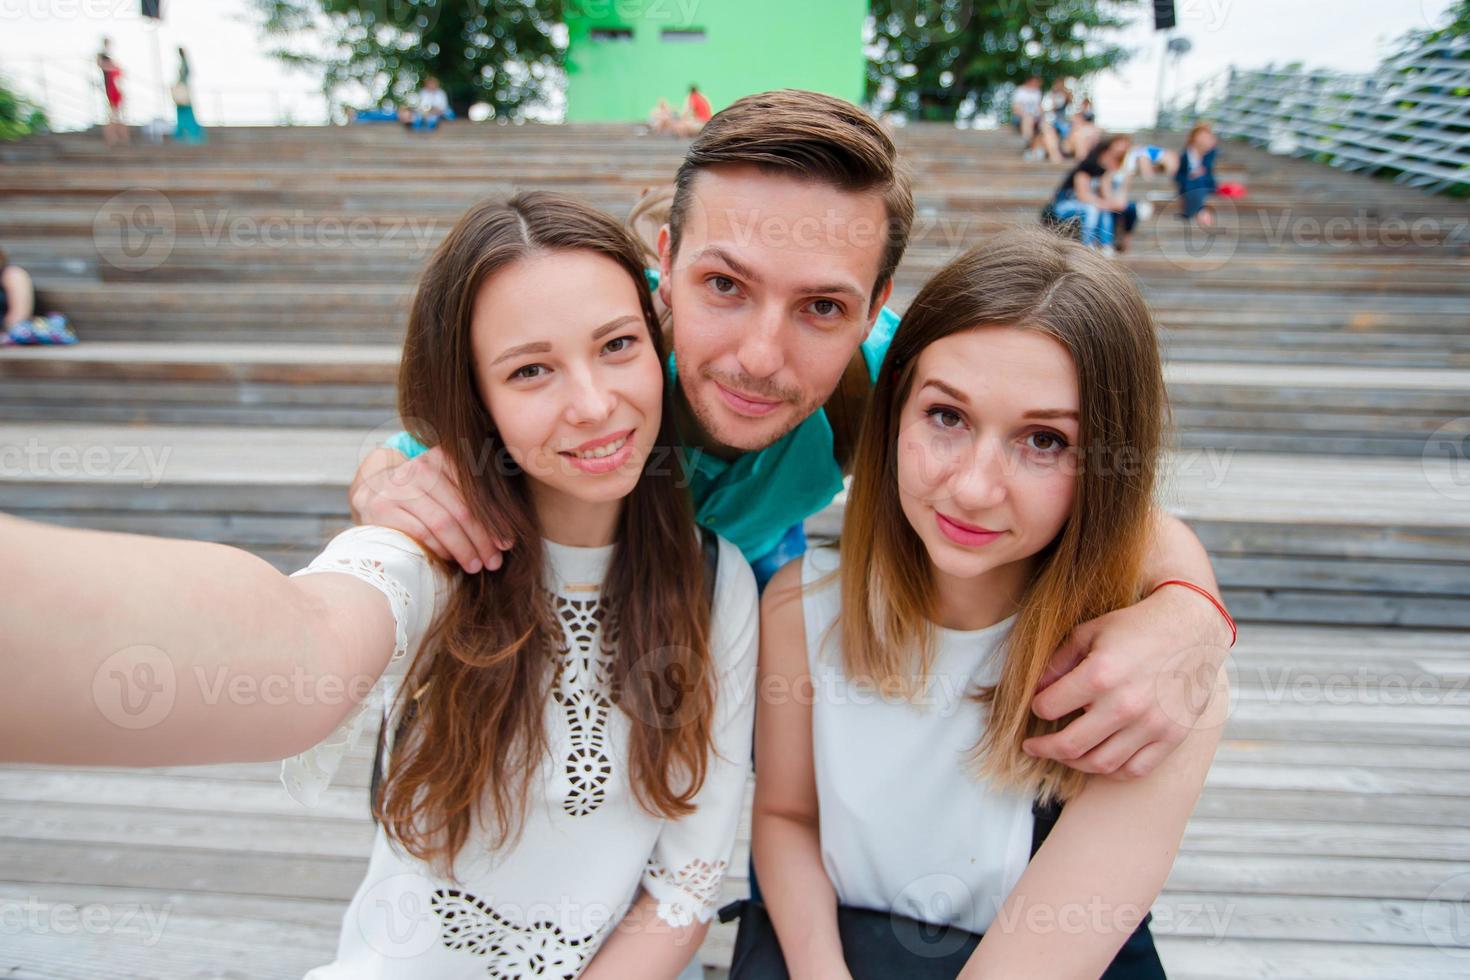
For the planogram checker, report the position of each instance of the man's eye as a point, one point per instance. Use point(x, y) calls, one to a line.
point(826, 307)
point(722, 284)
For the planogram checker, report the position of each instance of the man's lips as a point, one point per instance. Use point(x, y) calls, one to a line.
point(747, 404)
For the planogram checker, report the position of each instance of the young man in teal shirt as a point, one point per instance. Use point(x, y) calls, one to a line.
point(790, 215)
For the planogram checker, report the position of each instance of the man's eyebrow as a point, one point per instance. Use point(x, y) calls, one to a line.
point(542, 347)
point(739, 268)
point(746, 272)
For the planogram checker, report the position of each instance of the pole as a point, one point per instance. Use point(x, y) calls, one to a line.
point(1159, 91)
point(159, 90)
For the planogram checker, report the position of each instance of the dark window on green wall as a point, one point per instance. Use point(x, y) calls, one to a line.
point(691, 35)
point(612, 34)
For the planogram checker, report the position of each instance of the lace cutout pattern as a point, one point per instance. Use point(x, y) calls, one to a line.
point(513, 951)
point(375, 574)
point(699, 885)
point(307, 775)
point(583, 687)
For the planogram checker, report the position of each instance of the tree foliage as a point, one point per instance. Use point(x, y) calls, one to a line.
point(503, 52)
point(18, 117)
point(942, 59)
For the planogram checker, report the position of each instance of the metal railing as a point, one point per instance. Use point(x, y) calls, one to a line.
point(70, 92)
point(1410, 119)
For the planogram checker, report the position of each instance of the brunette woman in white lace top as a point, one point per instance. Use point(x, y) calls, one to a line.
point(568, 734)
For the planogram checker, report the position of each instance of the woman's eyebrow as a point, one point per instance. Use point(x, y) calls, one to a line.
point(1051, 413)
point(612, 325)
point(954, 393)
point(542, 347)
point(539, 347)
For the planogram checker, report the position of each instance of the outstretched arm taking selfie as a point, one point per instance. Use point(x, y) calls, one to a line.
point(1100, 870)
point(120, 649)
point(1140, 675)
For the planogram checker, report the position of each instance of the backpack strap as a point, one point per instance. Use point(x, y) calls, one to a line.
point(710, 544)
point(846, 408)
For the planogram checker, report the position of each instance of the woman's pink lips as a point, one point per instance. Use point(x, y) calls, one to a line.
point(600, 441)
point(745, 405)
point(602, 464)
point(964, 534)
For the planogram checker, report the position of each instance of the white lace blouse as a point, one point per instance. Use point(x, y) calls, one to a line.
point(542, 907)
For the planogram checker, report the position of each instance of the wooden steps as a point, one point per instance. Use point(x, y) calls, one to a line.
point(1297, 538)
point(1248, 407)
point(1327, 840)
point(1313, 347)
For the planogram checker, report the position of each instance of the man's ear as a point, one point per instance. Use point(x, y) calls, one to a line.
point(665, 263)
point(877, 307)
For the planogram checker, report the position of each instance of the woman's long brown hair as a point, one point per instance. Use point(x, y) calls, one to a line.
point(1034, 281)
point(472, 740)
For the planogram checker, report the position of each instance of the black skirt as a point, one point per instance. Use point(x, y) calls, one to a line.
point(889, 946)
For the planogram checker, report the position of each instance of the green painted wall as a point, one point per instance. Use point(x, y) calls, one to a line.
point(749, 46)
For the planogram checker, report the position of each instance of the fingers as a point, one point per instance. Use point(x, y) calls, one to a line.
point(402, 520)
point(1074, 741)
point(449, 531)
point(1067, 656)
point(1145, 761)
point(421, 498)
point(1090, 679)
point(1110, 757)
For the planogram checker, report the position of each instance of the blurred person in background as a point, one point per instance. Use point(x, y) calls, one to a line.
point(1087, 194)
point(186, 127)
point(1039, 137)
point(1195, 175)
point(431, 107)
point(114, 131)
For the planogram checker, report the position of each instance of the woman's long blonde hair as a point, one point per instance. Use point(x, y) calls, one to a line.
point(1031, 280)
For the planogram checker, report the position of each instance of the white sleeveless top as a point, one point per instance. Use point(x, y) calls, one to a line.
point(544, 906)
point(905, 826)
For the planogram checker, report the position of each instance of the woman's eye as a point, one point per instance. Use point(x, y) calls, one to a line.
point(618, 344)
point(1046, 442)
point(945, 418)
point(528, 372)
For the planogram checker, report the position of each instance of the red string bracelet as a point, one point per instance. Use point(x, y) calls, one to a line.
point(1206, 593)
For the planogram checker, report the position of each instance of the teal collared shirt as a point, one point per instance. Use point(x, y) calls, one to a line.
point(757, 497)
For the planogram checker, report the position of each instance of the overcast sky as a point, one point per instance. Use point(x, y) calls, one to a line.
point(235, 81)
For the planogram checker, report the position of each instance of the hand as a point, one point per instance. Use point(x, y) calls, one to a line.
point(420, 497)
point(1123, 671)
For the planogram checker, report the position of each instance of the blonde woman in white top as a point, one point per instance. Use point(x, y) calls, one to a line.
point(1002, 496)
point(569, 743)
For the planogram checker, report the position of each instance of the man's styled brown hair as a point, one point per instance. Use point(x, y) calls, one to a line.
point(810, 136)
